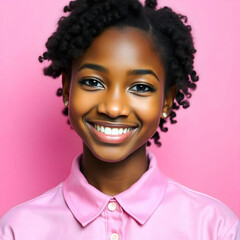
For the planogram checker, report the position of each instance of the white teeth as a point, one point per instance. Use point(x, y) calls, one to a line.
point(108, 131)
point(102, 129)
point(120, 131)
point(112, 131)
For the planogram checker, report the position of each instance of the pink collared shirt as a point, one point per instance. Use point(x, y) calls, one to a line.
point(154, 208)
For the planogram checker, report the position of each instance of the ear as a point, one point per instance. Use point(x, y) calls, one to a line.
point(65, 87)
point(168, 102)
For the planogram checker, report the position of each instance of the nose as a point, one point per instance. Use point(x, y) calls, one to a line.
point(115, 103)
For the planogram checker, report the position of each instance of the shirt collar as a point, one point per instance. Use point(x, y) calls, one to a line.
point(139, 201)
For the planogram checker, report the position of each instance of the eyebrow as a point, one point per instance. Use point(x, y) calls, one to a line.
point(143, 72)
point(93, 66)
point(100, 68)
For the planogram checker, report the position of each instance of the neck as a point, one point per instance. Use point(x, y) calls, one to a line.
point(113, 178)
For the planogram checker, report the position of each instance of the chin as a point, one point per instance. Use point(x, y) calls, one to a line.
point(110, 154)
point(114, 154)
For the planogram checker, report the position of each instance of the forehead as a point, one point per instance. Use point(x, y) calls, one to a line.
point(126, 47)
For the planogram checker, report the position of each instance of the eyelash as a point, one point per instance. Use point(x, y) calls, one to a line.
point(94, 83)
point(150, 88)
point(88, 81)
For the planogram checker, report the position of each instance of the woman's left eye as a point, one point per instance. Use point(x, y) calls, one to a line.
point(142, 88)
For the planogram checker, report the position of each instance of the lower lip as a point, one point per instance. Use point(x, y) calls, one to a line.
point(111, 139)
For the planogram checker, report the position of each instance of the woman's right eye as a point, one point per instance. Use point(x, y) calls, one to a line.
point(91, 82)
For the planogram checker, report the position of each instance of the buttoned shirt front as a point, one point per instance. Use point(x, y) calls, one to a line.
point(155, 208)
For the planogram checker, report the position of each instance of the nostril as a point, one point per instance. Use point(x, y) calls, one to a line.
point(113, 109)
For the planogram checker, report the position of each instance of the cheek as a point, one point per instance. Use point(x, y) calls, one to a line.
point(81, 102)
point(149, 111)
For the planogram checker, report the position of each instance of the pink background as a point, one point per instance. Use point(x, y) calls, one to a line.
point(202, 151)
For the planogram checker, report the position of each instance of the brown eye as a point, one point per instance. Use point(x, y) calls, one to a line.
point(91, 82)
point(142, 88)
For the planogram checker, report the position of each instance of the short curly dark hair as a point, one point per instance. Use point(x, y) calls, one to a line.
point(169, 30)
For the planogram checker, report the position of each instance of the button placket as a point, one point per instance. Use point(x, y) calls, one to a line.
point(112, 206)
point(114, 220)
point(114, 236)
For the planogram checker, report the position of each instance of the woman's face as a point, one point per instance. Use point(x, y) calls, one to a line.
point(116, 93)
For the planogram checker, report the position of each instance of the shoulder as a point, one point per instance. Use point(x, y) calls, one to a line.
point(31, 211)
point(51, 199)
point(197, 199)
point(201, 208)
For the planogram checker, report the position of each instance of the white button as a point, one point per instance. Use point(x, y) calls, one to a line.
point(114, 236)
point(112, 206)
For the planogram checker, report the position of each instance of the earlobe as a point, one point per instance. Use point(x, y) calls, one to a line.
point(65, 87)
point(168, 102)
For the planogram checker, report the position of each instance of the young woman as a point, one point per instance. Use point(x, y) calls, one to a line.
point(125, 69)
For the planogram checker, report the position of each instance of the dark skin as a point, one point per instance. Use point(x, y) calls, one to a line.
point(117, 83)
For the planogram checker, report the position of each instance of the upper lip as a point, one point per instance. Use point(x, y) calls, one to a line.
point(113, 124)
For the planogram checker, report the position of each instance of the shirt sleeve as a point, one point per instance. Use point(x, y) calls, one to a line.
point(6, 232)
point(234, 232)
point(7, 237)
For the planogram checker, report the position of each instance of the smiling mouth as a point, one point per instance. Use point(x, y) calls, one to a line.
point(111, 134)
point(112, 131)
